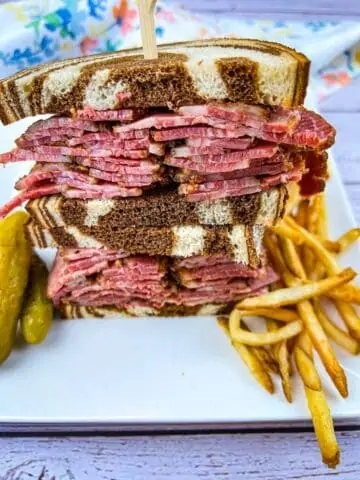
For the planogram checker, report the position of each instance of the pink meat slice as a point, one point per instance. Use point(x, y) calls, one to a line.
point(68, 133)
point(90, 152)
point(244, 159)
point(89, 113)
point(231, 144)
point(257, 168)
point(125, 179)
point(166, 120)
point(196, 276)
point(262, 151)
point(140, 167)
point(198, 261)
point(21, 155)
point(169, 134)
point(62, 122)
point(239, 113)
point(28, 195)
point(104, 191)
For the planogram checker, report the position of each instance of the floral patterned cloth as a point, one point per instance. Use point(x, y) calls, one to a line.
point(36, 31)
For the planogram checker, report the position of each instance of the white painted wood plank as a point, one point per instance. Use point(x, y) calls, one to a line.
point(295, 9)
point(232, 456)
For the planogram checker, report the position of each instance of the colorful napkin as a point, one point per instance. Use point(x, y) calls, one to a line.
point(37, 31)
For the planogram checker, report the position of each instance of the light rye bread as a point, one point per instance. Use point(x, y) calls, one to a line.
point(161, 209)
point(71, 311)
point(223, 70)
point(239, 242)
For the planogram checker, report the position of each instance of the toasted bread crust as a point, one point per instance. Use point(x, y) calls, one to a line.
point(150, 83)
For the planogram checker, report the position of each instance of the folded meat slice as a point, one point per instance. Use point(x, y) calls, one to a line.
point(225, 291)
point(57, 122)
point(119, 165)
point(227, 162)
point(236, 187)
point(257, 168)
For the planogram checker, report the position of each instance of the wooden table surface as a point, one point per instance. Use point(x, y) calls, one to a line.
point(278, 455)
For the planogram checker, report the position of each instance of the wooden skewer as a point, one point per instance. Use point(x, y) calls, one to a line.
point(147, 26)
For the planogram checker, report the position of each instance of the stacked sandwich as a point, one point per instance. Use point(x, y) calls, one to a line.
point(156, 179)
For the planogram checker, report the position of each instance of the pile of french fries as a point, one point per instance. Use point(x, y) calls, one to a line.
point(296, 321)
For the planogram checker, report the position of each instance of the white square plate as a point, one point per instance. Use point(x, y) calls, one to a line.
point(152, 372)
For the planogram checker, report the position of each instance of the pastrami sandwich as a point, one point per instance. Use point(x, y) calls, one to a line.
point(164, 166)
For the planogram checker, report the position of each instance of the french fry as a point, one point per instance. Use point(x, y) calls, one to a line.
point(320, 412)
point(266, 359)
point(348, 238)
point(318, 337)
point(281, 354)
point(306, 369)
point(322, 226)
point(273, 251)
point(348, 293)
point(350, 318)
point(251, 361)
point(238, 334)
point(317, 247)
point(301, 215)
point(294, 197)
point(347, 312)
point(263, 355)
point(293, 295)
point(282, 314)
point(285, 231)
point(321, 343)
point(334, 332)
point(292, 261)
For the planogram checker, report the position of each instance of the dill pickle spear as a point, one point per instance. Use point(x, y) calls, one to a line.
point(15, 259)
point(37, 314)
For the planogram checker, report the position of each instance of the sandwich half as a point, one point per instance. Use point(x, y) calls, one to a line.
point(150, 171)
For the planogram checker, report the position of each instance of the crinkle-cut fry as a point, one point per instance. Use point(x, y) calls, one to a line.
point(238, 334)
point(320, 412)
point(348, 293)
point(348, 238)
point(257, 370)
point(281, 314)
point(341, 338)
point(322, 346)
point(293, 295)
